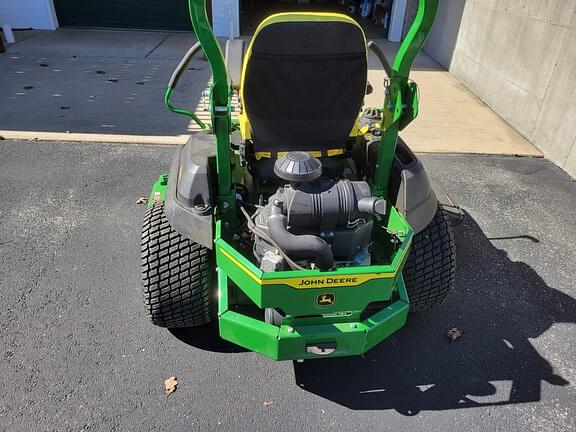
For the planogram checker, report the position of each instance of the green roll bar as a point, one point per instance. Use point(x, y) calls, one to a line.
point(220, 111)
point(401, 99)
point(400, 103)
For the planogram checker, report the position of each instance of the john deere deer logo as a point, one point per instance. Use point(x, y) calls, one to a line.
point(326, 299)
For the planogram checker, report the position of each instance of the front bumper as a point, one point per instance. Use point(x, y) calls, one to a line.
point(323, 311)
point(296, 342)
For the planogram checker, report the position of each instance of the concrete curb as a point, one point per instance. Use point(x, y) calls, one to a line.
point(92, 138)
point(181, 139)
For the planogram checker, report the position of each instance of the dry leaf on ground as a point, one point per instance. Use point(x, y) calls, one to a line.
point(454, 333)
point(170, 385)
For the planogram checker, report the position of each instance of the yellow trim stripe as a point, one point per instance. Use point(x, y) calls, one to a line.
point(334, 152)
point(245, 130)
point(313, 153)
point(328, 281)
point(241, 266)
point(263, 155)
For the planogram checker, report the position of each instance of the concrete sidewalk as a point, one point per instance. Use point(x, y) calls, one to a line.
point(108, 86)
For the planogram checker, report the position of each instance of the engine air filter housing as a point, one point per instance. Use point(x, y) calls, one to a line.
point(298, 167)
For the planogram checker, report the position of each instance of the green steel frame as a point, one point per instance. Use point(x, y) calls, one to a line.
point(220, 110)
point(308, 323)
point(401, 99)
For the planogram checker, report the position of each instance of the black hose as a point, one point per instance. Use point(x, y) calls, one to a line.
point(300, 246)
point(381, 57)
point(183, 65)
point(252, 227)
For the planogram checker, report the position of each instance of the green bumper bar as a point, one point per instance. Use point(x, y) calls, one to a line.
point(314, 341)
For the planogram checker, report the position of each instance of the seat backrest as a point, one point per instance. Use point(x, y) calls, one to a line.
point(303, 82)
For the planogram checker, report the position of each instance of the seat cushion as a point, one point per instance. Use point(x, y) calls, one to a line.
point(304, 82)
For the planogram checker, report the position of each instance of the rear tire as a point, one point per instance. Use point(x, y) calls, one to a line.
point(430, 270)
point(176, 274)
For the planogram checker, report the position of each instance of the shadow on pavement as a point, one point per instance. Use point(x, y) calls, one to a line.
point(500, 304)
point(206, 338)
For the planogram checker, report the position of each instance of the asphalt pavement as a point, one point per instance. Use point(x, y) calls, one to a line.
point(78, 353)
point(97, 82)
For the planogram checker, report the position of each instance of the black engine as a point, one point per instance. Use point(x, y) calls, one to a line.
point(314, 221)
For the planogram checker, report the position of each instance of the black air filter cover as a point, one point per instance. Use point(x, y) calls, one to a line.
point(298, 167)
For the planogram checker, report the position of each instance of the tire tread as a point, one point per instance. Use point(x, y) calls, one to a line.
point(176, 274)
point(430, 270)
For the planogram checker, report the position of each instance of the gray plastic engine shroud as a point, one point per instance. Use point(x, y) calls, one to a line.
point(189, 204)
point(190, 200)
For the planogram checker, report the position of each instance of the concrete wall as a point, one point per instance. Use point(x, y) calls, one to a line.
point(36, 14)
point(518, 56)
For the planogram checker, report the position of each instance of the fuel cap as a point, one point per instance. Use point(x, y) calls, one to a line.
point(298, 167)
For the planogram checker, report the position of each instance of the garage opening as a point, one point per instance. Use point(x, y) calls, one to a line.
point(374, 15)
point(230, 18)
point(126, 14)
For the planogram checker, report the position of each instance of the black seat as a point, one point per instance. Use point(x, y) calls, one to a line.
point(303, 84)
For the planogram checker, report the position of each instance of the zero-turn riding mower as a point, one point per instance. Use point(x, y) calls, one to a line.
point(306, 227)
